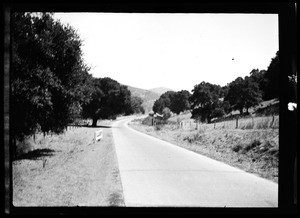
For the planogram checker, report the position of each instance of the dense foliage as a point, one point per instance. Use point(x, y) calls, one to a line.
point(48, 76)
point(210, 101)
point(205, 102)
point(164, 101)
point(176, 101)
point(51, 86)
point(243, 93)
point(272, 79)
point(109, 99)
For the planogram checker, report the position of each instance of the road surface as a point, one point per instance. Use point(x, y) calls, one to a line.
point(155, 173)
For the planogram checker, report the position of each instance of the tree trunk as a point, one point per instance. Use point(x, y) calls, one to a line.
point(273, 118)
point(241, 111)
point(94, 124)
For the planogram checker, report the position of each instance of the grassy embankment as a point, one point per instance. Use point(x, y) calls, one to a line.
point(253, 146)
point(68, 170)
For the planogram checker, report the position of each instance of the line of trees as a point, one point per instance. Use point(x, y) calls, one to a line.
point(50, 84)
point(209, 101)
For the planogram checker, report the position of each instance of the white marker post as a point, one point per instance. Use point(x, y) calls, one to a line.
point(98, 135)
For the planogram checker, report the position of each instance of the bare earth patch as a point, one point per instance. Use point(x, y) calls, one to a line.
point(68, 170)
point(253, 150)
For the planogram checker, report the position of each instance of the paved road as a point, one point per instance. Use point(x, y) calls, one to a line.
point(156, 173)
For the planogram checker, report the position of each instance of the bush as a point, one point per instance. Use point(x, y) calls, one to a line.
point(192, 138)
point(158, 127)
point(237, 148)
point(188, 138)
point(112, 117)
point(252, 145)
point(166, 113)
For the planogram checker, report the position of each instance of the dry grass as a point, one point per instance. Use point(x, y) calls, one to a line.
point(253, 150)
point(67, 170)
point(267, 122)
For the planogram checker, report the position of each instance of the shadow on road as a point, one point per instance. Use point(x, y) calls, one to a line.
point(35, 154)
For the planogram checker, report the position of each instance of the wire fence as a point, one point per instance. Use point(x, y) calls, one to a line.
point(265, 122)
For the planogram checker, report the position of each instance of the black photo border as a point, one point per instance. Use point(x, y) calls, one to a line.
point(288, 125)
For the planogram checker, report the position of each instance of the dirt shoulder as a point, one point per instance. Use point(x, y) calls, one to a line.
point(69, 170)
point(255, 151)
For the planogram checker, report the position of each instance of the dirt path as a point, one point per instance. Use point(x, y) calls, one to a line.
point(76, 172)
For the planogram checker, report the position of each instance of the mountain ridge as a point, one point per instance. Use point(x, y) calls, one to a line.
point(160, 90)
point(148, 96)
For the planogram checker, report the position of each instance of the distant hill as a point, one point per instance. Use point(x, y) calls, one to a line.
point(160, 90)
point(148, 97)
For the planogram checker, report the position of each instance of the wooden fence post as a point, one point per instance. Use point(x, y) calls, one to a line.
point(273, 118)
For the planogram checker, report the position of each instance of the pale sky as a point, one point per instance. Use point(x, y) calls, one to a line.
point(177, 51)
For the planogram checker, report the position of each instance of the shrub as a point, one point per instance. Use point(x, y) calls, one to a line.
point(158, 127)
point(237, 148)
point(274, 152)
point(166, 113)
point(112, 117)
point(252, 145)
point(188, 138)
point(192, 138)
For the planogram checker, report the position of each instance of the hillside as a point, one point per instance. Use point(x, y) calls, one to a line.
point(148, 97)
point(251, 144)
point(160, 90)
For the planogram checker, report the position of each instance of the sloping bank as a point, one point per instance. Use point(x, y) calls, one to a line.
point(252, 150)
point(68, 170)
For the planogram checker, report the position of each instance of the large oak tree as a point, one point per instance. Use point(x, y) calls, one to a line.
point(48, 75)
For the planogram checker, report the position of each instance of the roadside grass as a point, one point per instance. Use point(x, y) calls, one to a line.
point(243, 123)
point(254, 150)
point(67, 170)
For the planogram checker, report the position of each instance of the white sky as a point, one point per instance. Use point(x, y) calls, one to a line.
point(176, 51)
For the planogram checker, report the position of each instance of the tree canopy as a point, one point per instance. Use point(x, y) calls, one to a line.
point(135, 106)
point(164, 101)
point(174, 101)
point(272, 76)
point(109, 99)
point(205, 102)
point(48, 75)
point(243, 93)
point(180, 101)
